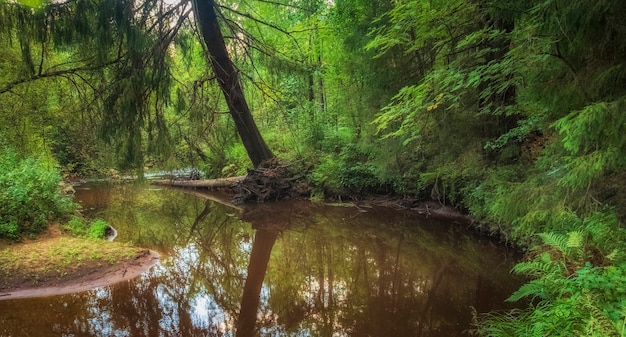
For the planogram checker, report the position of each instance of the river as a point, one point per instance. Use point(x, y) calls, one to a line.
point(282, 269)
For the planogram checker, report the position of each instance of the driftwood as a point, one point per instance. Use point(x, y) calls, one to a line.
point(208, 184)
point(438, 211)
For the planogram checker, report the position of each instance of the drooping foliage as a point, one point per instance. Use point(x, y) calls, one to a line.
point(112, 57)
point(461, 100)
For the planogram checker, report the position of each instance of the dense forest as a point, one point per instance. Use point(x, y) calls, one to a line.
point(512, 111)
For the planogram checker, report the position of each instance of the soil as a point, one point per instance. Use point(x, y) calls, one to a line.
point(84, 277)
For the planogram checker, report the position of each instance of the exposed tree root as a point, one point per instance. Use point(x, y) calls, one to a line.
point(271, 181)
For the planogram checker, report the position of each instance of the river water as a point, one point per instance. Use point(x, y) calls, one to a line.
point(280, 269)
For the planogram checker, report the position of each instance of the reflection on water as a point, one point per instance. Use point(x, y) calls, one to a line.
point(286, 269)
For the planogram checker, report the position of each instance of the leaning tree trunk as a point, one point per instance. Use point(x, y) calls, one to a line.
point(228, 79)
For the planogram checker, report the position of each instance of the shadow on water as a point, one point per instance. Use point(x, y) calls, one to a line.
point(285, 269)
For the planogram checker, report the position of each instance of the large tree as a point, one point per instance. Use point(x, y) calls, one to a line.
point(228, 79)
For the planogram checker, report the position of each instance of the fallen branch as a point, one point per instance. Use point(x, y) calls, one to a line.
point(208, 184)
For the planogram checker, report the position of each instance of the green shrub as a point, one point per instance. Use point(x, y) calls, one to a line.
point(350, 171)
point(29, 196)
point(95, 230)
point(326, 175)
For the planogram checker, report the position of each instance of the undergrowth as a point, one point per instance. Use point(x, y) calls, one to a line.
point(577, 285)
point(29, 196)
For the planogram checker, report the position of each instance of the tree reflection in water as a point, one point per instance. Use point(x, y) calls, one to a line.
point(282, 269)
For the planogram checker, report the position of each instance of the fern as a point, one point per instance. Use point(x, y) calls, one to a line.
point(554, 240)
point(571, 245)
point(541, 266)
point(532, 289)
point(575, 240)
point(614, 255)
point(597, 324)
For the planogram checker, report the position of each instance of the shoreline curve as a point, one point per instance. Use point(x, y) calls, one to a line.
point(107, 276)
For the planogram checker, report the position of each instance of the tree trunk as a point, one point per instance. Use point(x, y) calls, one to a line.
point(320, 86)
point(228, 79)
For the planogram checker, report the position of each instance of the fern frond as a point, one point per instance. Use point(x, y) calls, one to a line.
point(502, 324)
point(575, 244)
point(555, 240)
point(575, 240)
point(539, 267)
point(613, 256)
point(598, 324)
point(532, 288)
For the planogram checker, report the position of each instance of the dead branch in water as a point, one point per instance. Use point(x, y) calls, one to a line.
point(208, 184)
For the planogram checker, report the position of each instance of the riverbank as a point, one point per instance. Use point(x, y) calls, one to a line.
point(55, 263)
point(231, 187)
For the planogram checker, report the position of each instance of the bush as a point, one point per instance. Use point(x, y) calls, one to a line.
point(326, 175)
point(29, 196)
point(76, 226)
point(95, 230)
point(349, 171)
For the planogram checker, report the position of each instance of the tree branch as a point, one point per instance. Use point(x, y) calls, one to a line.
point(248, 16)
point(9, 86)
point(286, 5)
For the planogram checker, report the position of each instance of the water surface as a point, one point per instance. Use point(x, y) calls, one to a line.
point(282, 269)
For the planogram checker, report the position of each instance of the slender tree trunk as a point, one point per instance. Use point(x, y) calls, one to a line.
point(311, 80)
point(320, 86)
point(228, 79)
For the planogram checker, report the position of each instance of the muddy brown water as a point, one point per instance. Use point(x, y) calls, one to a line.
point(281, 269)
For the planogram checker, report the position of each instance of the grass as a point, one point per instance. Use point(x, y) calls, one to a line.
point(58, 256)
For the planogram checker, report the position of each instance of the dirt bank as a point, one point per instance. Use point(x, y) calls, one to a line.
point(86, 277)
point(55, 263)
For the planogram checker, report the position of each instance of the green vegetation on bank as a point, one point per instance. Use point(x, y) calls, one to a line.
point(30, 197)
point(514, 111)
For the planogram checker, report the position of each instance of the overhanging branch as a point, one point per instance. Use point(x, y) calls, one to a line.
point(48, 74)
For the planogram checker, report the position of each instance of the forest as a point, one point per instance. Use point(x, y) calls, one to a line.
point(511, 111)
